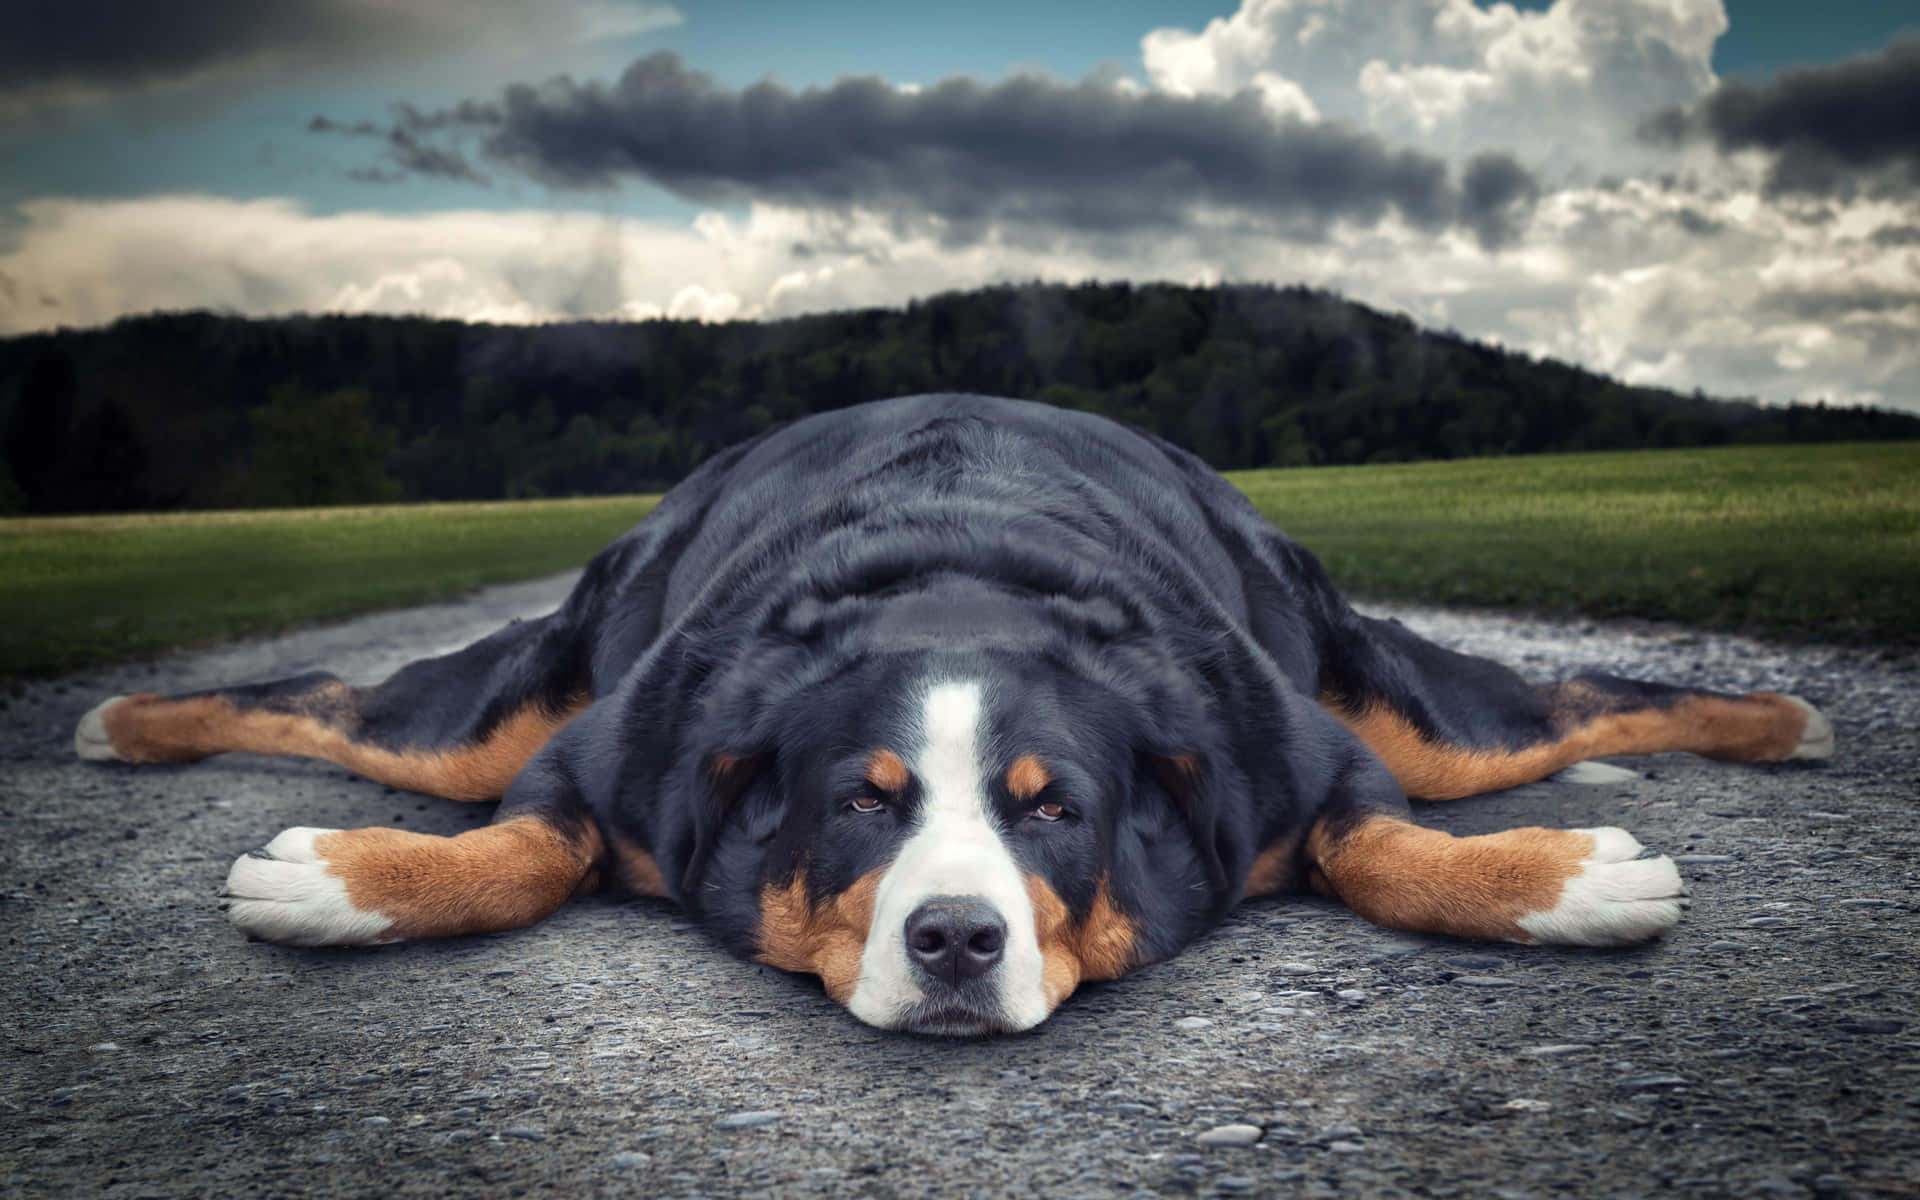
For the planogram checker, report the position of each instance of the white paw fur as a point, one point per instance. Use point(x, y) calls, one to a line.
point(1594, 774)
point(90, 740)
point(283, 893)
point(1817, 740)
point(1617, 899)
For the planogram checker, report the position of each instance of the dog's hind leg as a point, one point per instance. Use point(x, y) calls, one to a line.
point(1584, 887)
point(459, 726)
point(1450, 725)
point(351, 887)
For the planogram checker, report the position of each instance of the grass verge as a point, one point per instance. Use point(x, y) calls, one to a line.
point(1813, 541)
point(75, 591)
point(1790, 541)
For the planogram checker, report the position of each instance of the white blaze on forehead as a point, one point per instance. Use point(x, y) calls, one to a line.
point(955, 849)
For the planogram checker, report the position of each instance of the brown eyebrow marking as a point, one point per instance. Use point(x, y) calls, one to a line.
point(1027, 777)
point(886, 772)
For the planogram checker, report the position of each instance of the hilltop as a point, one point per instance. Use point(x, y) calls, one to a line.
point(198, 410)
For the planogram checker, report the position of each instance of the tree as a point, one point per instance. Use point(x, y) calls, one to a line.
point(322, 449)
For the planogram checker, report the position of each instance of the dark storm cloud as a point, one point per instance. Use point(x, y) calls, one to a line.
point(1829, 305)
point(1497, 197)
point(1087, 156)
point(411, 155)
point(1834, 130)
point(58, 52)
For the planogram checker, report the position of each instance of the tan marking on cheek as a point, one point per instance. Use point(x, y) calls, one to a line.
point(886, 772)
point(1027, 777)
point(825, 940)
point(1104, 945)
point(636, 868)
point(1405, 877)
point(503, 876)
point(1274, 869)
point(148, 728)
point(1758, 727)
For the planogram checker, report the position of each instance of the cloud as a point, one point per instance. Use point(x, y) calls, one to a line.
point(1557, 88)
point(1605, 276)
point(1831, 130)
point(1087, 157)
point(56, 55)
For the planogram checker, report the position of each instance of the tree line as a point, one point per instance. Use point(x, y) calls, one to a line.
point(200, 410)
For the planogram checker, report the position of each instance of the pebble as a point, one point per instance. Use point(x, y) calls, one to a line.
point(1191, 1024)
point(1556, 1049)
point(1229, 1135)
point(1351, 995)
point(1344, 1147)
point(1641, 1083)
point(1767, 922)
point(1872, 1025)
point(1476, 962)
point(1482, 981)
point(502, 973)
point(1234, 1183)
point(746, 1120)
point(1298, 968)
point(630, 1160)
point(1723, 945)
point(1703, 858)
point(376, 1121)
point(1525, 1105)
point(525, 1133)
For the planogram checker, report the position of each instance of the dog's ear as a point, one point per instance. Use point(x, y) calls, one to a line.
point(1184, 781)
point(726, 778)
point(733, 788)
point(1180, 775)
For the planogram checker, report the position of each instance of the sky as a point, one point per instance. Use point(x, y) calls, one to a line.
point(1688, 193)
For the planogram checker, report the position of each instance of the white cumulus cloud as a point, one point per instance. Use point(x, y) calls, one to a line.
point(1562, 87)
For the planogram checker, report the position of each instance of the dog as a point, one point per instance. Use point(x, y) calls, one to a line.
point(954, 702)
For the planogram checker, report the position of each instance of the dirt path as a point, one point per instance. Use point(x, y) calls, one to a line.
point(1771, 1046)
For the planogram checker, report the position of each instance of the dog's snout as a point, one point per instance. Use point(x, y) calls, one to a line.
point(955, 938)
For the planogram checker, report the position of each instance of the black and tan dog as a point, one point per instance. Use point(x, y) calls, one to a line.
point(954, 702)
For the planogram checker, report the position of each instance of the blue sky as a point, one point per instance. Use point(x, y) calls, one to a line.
point(120, 173)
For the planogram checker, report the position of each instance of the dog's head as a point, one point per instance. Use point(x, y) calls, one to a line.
point(953, 839)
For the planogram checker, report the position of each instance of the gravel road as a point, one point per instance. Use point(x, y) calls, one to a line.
point(1768, 1047)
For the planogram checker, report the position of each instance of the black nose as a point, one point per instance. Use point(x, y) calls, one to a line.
point(955, 938)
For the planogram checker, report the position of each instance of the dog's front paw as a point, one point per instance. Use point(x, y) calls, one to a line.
point(283, 892)
point(1616, 899)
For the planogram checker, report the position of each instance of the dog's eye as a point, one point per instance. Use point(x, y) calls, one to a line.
point(866, 803)
point(1049, 810)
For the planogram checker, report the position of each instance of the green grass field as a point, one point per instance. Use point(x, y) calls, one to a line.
point(1793, 541)
point(75, 591)
point(1796, 541)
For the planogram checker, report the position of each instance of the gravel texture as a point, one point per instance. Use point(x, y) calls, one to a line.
point(1768, 1047)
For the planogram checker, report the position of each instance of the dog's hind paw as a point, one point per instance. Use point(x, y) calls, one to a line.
point(90, 738)
point(283, 892)
point(1594, 774)
point(1617, 899)
point(1816, 741)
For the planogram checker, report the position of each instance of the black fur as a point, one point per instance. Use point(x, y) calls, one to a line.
point(1136, 622)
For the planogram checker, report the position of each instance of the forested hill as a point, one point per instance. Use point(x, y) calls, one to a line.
point(197, 410)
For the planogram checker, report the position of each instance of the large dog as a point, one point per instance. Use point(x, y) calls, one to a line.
point(954, 702)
